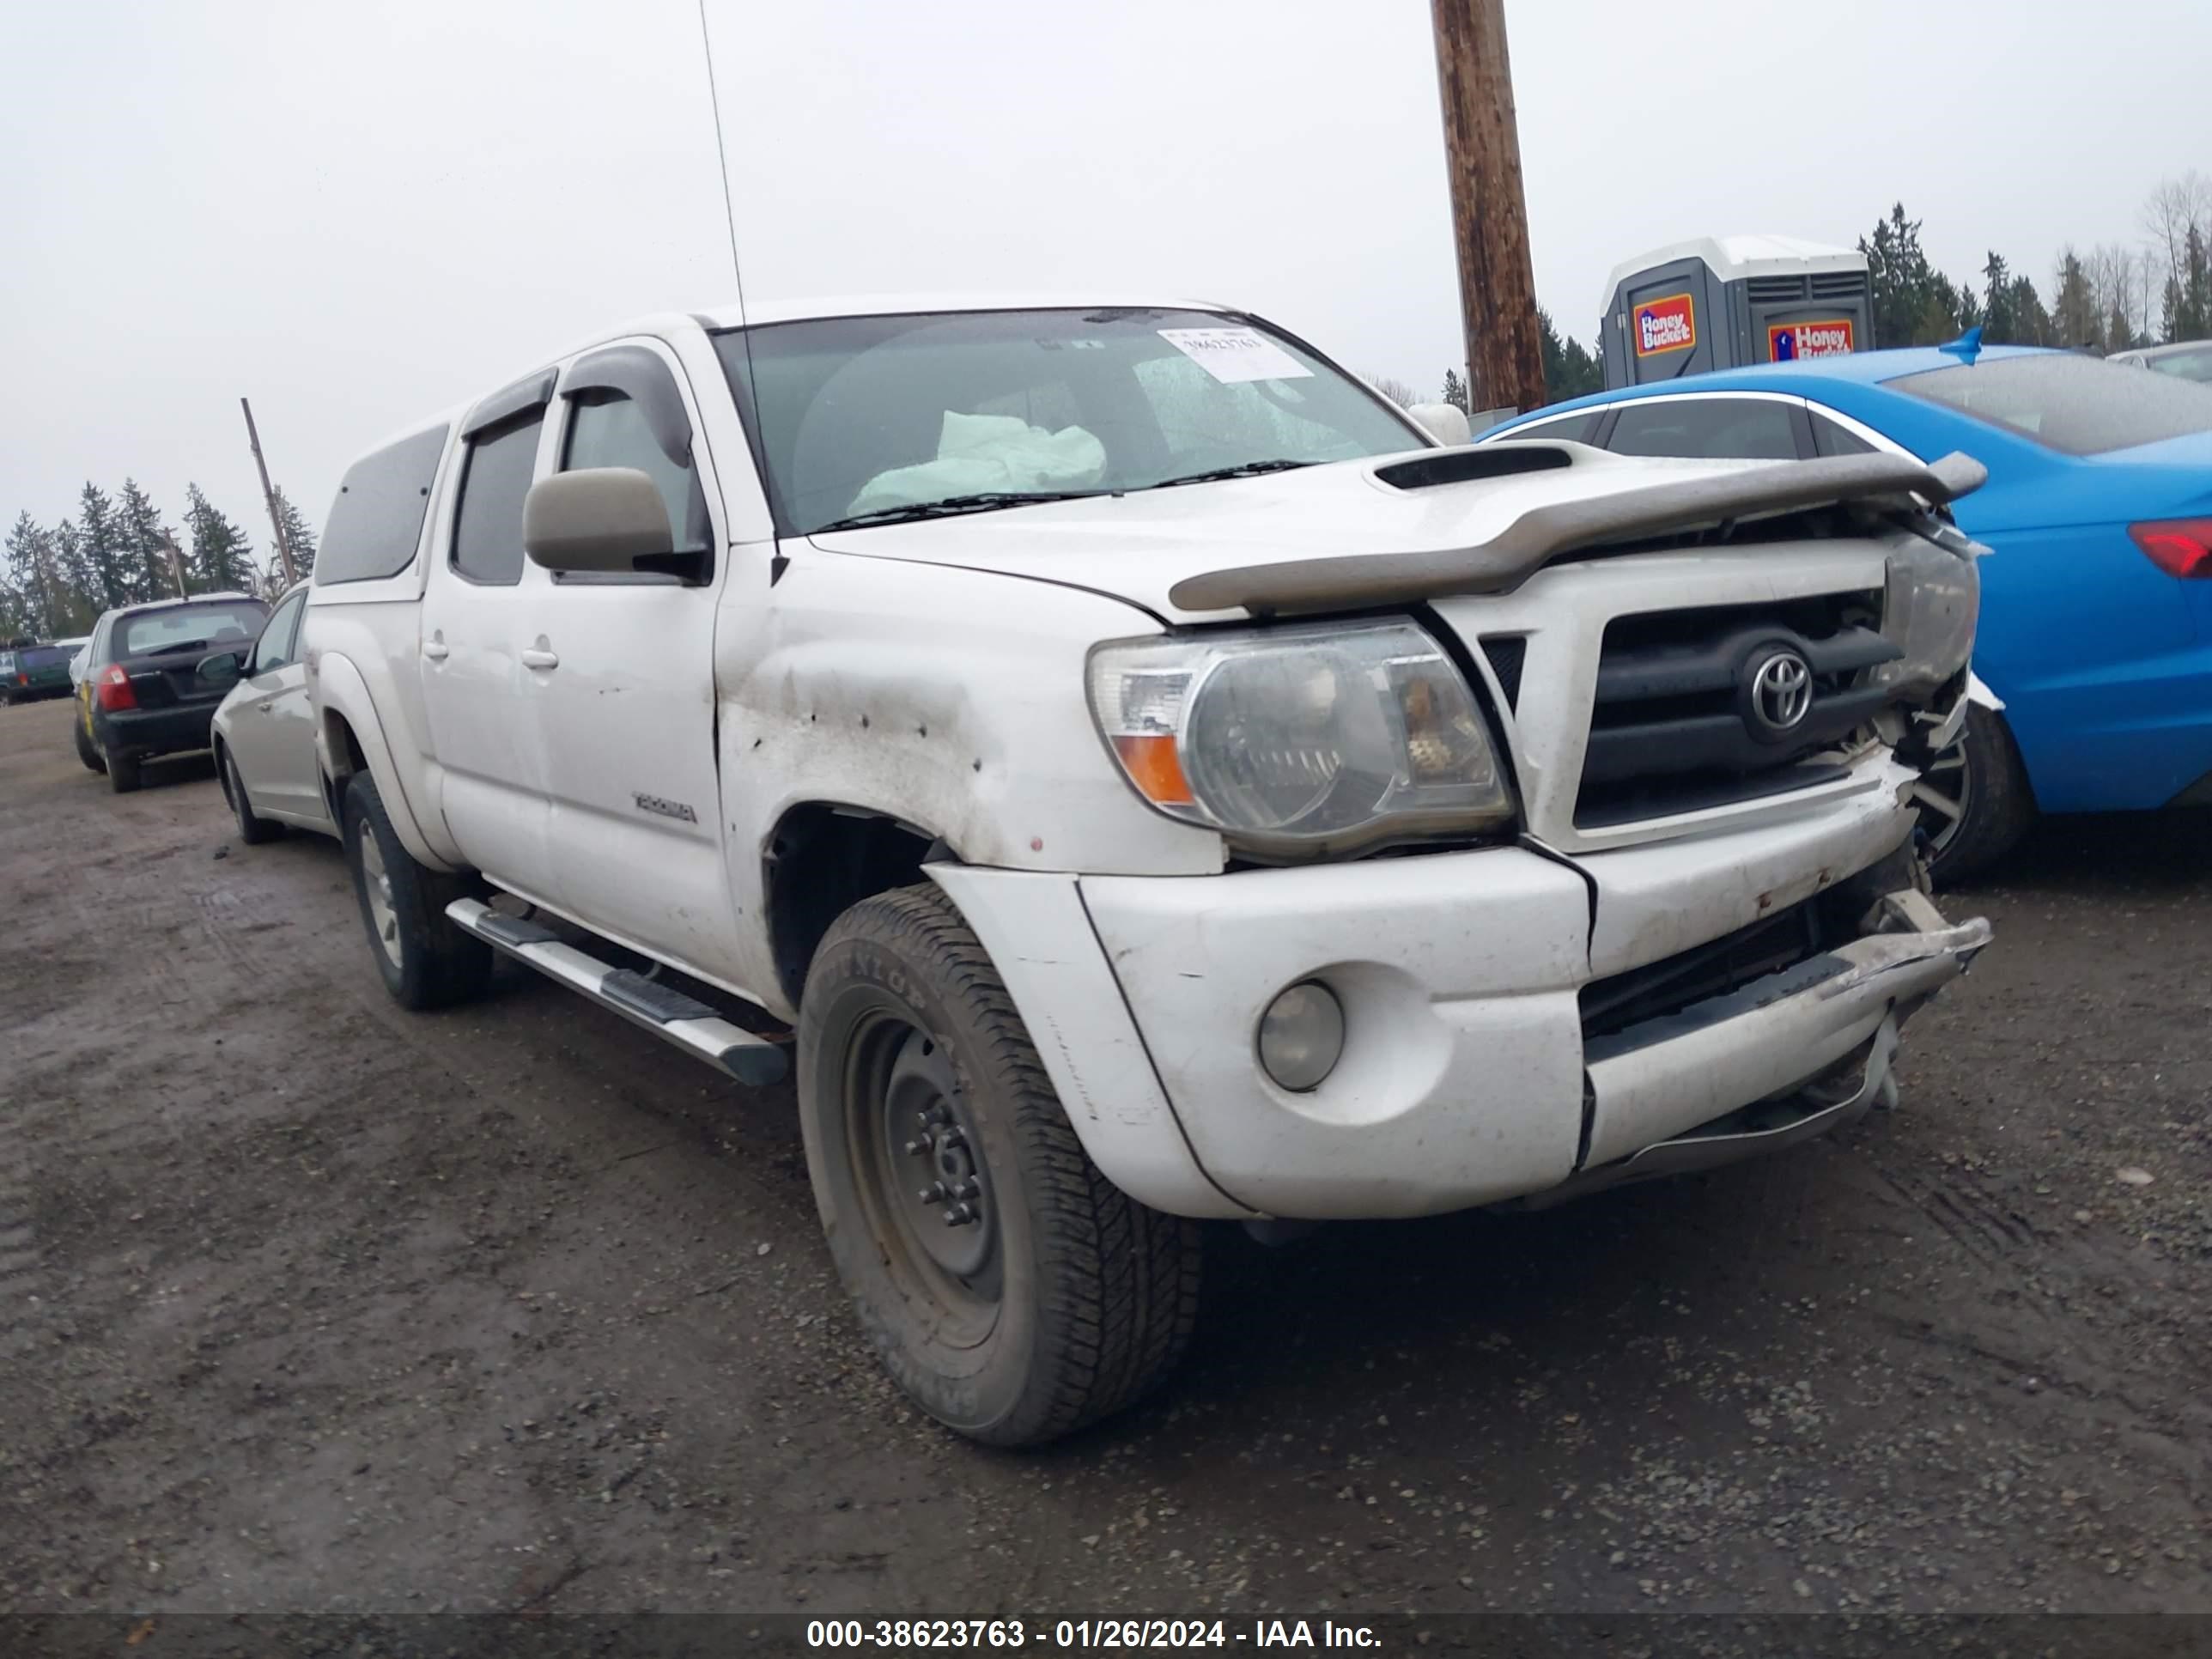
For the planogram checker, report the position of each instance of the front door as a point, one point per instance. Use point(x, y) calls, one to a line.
point(628, 712)
point(480, 687)
point(272, 737)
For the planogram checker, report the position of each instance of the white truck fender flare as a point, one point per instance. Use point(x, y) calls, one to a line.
point(341, 690)
point(1040, 938)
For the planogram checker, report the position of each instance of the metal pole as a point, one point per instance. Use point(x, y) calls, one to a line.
point(177, 567)
point(268, 496)
point(1490, 210)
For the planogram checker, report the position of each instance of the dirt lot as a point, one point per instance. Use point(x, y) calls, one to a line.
point(313, 1304)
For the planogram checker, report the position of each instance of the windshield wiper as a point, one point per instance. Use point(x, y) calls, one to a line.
point(1241, 469)
point(984, 501)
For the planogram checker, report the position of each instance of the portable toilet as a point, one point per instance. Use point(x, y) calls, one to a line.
point(1720, 302)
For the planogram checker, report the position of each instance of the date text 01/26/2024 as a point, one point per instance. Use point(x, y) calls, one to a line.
point(895, 1634)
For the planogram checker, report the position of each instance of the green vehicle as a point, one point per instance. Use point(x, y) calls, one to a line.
point(29, 671)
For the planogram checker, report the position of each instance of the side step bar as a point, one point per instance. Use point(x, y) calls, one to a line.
point(666, 1011)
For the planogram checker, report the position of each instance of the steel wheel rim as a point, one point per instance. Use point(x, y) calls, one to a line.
point(1943, 805)
point(916, 1164)
point(376, 889)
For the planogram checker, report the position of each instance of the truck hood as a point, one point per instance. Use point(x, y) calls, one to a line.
point(1139, 546)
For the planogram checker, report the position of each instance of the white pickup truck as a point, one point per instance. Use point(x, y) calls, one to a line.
point(1159, 780)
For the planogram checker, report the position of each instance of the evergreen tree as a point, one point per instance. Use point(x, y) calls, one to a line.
point(145, 543)
point(1902, 284)
point(27, 603)
point(1455, 392)
point(296, 531)
point(222, 554)
point(2075, 320)
point(73, 575)
point(100, 549)
point(2193, 312)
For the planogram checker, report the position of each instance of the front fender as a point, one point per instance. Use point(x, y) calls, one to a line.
point(342, 692)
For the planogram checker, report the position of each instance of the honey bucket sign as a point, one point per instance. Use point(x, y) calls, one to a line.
point(1787, 342)
point(1664, 326)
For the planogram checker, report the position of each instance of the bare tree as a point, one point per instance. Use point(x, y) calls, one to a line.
point(2177, 207)
point(1396, 391)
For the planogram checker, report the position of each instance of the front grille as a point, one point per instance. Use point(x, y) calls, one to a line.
point(1767, 289)
point(1675, 725)
point(1703, 972)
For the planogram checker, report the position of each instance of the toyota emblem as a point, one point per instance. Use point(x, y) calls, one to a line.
point(1780, 694)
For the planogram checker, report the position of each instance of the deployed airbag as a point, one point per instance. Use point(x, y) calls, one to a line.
point(981, 453)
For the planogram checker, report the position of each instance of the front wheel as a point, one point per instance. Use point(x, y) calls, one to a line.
point(426, 960)
point(1010, 1290)
point(253, 829)
point(1974, 800)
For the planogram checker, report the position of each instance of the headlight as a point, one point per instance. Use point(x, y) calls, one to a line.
point(1934, 594)
point(1301, 741)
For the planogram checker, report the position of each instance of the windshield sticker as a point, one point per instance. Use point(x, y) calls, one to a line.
point(1787, 342)
point(1667, 324)
point(1232, 355)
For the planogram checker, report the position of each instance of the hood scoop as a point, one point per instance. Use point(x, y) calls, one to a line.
point(1456, 466)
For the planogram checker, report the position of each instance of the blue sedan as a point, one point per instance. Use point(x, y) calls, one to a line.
point(2096, 626)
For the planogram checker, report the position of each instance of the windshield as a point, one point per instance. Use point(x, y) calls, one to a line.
point(2194, 364)
point(233, 622)
point(876, 419)
point(2080, 405)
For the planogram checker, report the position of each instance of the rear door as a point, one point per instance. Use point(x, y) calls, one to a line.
point(273, 734)
point(478, 693)
point(626, 694)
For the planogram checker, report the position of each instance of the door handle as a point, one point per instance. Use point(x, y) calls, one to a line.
point(435, 648)
point(537, 656)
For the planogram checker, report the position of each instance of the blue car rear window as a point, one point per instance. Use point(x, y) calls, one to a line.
point(2077, 405)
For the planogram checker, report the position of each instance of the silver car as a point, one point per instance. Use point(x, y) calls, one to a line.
point(264, 735)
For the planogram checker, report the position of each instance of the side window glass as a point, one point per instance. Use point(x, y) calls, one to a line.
point(1571, 428)
point(1706, 428)
point(496, 477)
point(274, 649)
point(606, 428)
point(1829, 438)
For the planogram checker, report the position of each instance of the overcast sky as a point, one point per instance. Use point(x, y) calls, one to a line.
point(357, 213)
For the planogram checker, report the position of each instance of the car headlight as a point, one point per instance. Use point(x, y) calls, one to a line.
point(1301, 741)
point(1933, 597)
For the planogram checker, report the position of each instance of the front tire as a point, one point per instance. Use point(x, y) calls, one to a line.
point(1975, 801)
point(253, 829)
point(1010, 1290)
point(425, 960)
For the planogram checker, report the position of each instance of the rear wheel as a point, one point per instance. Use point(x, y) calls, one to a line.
point(85, 751)
point(1974, 801)
point(1012, 1291)
point(253, 829)
point(425, 960)
point(122, 774)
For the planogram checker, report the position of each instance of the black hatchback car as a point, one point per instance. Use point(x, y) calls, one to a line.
point(143, 694)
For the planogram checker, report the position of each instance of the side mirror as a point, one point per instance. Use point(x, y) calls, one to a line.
point(1445, 423)
point(219, 668)
point(600, 518)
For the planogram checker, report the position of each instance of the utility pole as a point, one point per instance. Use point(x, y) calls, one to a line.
point(176, 566)
point(268, 496)
point(1490, 210)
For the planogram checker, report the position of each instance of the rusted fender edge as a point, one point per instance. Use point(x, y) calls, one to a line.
point(1544, 533)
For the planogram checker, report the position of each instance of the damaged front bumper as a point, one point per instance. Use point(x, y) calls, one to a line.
point(1809, 1047)
point(1476, 1069)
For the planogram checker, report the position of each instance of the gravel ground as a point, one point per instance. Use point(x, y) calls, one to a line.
point(307, 1303)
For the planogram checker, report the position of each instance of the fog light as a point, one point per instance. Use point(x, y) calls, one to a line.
point(1302, 1035)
